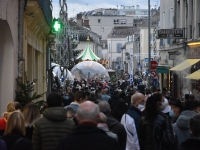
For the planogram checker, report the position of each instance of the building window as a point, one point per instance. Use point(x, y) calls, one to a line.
point(109, 48)
point(144, 13)
point(169, 41)
point(99, 20)
point(116, 21)
point(190, 31)
point(199, 29)
point(161, 43)
point(123, 21)
point(119, 46)
point(118, 65)
point(102, 29)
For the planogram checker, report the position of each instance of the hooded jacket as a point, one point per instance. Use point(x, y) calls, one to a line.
point(118, 129)
point(49, 129)
point(181, 127)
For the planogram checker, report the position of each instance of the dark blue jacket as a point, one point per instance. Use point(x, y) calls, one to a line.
point(136, 114)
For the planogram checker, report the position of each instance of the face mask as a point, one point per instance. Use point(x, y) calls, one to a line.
point(162, 107)
point(140, 107)
point(171, 113)
point(167, 95)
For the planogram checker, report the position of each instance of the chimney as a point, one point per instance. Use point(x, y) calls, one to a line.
point(79, 19)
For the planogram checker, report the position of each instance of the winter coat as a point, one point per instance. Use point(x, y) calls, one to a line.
point(118, 129)
point(29, 132)
point(113, 101)
point(73, 105)
point(2, 126)
point(136, 114)
point(50, 128)
point(190, 144)
point(105, 97)
point(88, 137)
point(104, 127)
point(119, 110)
point(132, 142)
point(12, 142)
point(181, 127)
point(2, 123)
point(157, 134)
point(2, 144)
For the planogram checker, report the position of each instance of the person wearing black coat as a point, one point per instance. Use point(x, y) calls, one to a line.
point(155, 131)
point(87, 136)
point(113, 125)
point(136, 100)
point(17, 141)
point(2, 144)
point(194, 142)
point(14, 133)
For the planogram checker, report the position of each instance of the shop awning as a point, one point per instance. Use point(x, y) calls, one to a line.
point(163, 69)
point(195, 75)
point(187, 63)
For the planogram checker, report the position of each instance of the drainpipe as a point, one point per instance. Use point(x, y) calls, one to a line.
point(20, 39)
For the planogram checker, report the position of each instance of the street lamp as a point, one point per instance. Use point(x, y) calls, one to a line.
point(149, 46)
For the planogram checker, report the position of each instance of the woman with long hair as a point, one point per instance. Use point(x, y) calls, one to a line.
point(155, 130)
point(31, 113)
point(11, 106)
point(15, 131)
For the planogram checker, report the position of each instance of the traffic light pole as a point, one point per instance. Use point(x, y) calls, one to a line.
point(149, 46)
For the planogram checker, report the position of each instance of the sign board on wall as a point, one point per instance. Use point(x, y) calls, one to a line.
point(170, 34)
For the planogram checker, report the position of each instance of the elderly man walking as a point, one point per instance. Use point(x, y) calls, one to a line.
point(131, 121)
point(87, 136)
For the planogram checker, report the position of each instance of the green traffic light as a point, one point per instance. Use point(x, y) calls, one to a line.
point(57, 26)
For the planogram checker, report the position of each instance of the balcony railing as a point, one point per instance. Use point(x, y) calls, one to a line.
point(46, 7)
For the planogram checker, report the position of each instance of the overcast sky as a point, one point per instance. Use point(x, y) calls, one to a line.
point(76, 6)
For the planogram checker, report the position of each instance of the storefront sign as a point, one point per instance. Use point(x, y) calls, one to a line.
point(170, 34)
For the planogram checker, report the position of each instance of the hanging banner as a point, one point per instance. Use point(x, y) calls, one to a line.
point(131, 70)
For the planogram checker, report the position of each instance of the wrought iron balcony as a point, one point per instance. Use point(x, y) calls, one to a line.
point(47, 8)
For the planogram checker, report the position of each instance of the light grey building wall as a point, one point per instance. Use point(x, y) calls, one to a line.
point(103, 25)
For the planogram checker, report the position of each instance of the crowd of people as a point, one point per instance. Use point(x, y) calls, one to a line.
point(102, 117)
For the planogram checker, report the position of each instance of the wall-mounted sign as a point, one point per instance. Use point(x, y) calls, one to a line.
point(170, 34)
